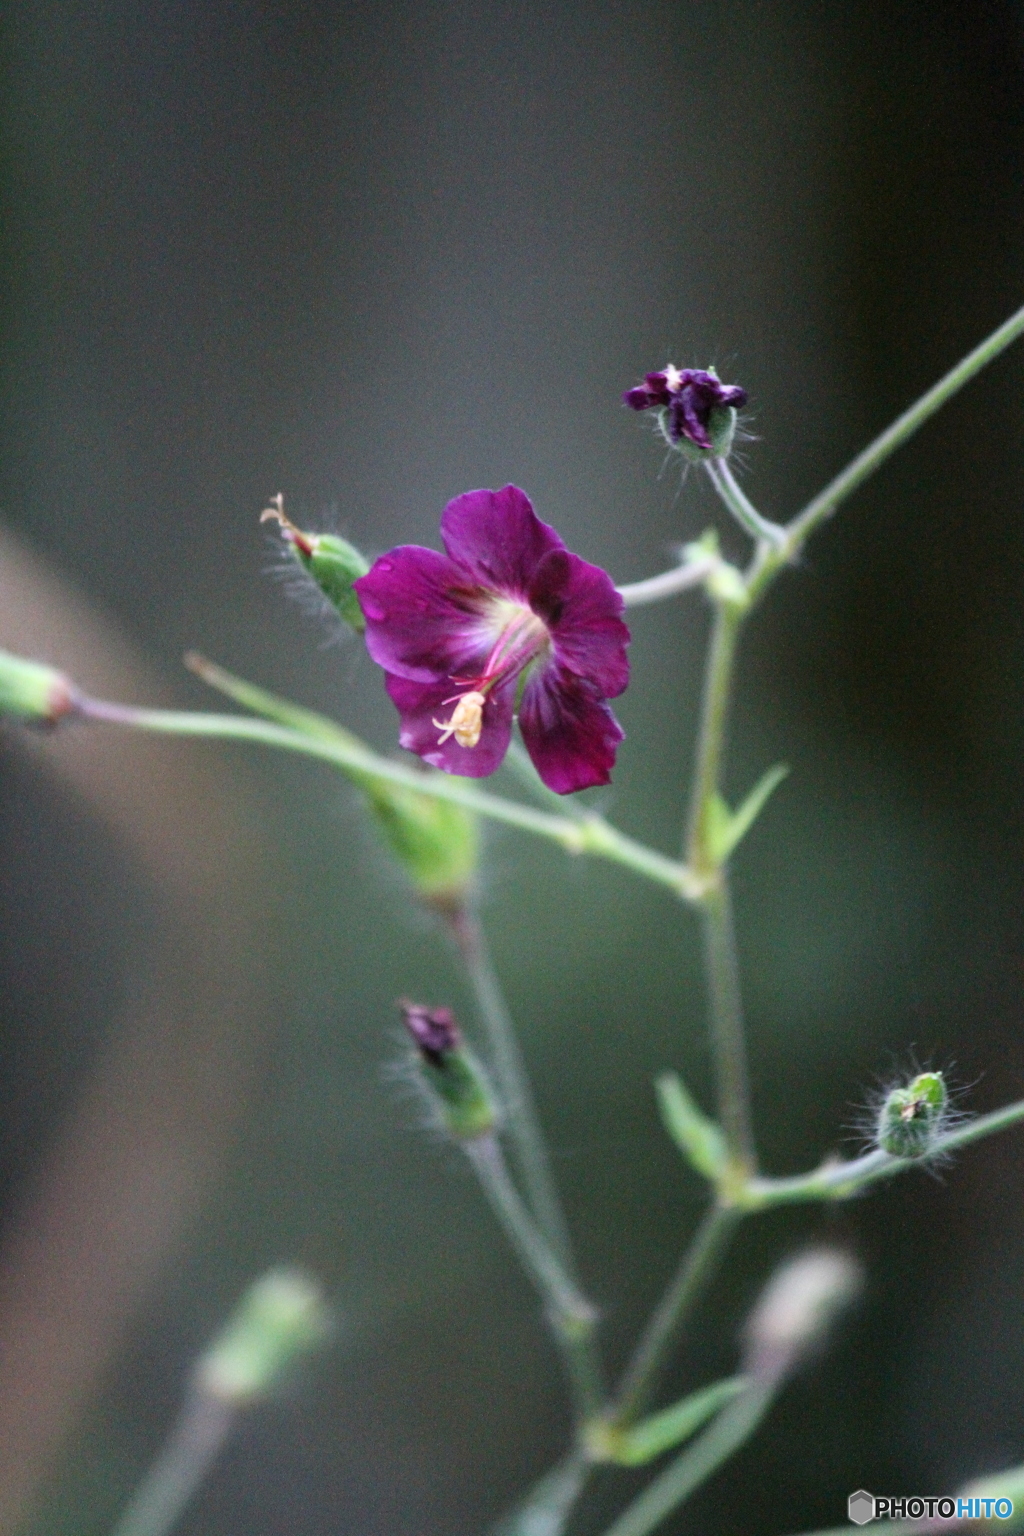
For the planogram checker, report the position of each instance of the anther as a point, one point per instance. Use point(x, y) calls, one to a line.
point(466, 722)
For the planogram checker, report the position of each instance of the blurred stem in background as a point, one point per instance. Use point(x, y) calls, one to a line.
point(281, 1318)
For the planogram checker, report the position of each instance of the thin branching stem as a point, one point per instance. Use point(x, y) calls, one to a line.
point(696, 1269)
point(589, 834)
point(572, 1317)
point(520, 1114)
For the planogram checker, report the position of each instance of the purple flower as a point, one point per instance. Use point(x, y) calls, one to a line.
point(507, 619)
point(688, 396)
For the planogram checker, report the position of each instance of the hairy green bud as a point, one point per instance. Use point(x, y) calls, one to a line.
point(911, 1117)
point(451, 1073)
point(332, 562)
point(32, 691)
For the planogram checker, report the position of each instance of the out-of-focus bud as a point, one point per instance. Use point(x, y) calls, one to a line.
point(32, 691)
point(696, 411)
point(282, 1317)
point(451, 1073)
point(796, 1309)
point(436, 842)
point(911, 1117)
point(332, 562)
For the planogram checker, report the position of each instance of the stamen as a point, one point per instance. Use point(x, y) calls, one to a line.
point(294, 535)
point(466, 722)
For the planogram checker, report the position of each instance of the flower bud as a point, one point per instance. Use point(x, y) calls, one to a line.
point(33, 691)
point(332, 562)
point(911, 1117)
point(436, 842)
point(796, 1309)
point(696, 411)
point(449, 1070)
point(281, 1317)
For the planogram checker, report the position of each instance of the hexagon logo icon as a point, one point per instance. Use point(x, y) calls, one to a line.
point(860, 1506)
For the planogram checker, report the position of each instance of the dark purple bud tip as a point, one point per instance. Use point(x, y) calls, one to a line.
point(434, 1031)
point(687, 396)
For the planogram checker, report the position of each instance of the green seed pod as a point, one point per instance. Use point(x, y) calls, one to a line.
point(451, 1073)
point(33, 691)
point(332, 562)
point(281, 1317)
point(910, 1117)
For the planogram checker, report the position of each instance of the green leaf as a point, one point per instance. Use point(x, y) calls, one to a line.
point(661, 1431)
point(698, 1138)
point(726, 828)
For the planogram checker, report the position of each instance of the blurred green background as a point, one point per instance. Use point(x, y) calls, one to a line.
point(372, 257)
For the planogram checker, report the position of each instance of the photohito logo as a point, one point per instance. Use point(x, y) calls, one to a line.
point(863, 1506)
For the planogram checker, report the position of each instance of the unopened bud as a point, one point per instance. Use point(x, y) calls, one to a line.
point(34, 692)
point(451, 1073)
point(796, 1309)
point(436, 842)
point(332, 562)
point(911, 1117)
point(281, 1317)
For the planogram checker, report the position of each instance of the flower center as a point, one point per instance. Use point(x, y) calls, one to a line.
point(521, 636)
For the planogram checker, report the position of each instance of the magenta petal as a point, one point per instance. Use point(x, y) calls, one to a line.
point(420, 704)
point(499, 537)
point(570, 733)
point(423, 616)
point(582, 610)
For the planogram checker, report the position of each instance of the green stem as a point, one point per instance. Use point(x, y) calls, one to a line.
point(696, 1268)
point(683, 579)
point(743, 510)
point(767, 563)
point(839, 1180)
point(590, 834)
point(572, 1318)
point(179, 1470)
point(723, 1437)
point(513, 1084)
point(721, 964)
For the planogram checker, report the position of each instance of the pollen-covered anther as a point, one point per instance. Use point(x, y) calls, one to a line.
point(466, 722)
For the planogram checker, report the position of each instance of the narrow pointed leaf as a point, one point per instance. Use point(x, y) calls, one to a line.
point(728, 828)
point(661, 1431)
point(697, 1136)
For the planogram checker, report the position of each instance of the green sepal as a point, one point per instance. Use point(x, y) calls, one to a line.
point(911, 1116)
point(637, 1446)
point(32, 691)
point(436, 842)
point(334, 565)
point(698, 1137)
point(461, 1093)
point(281, 1317)
point(727, 828)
